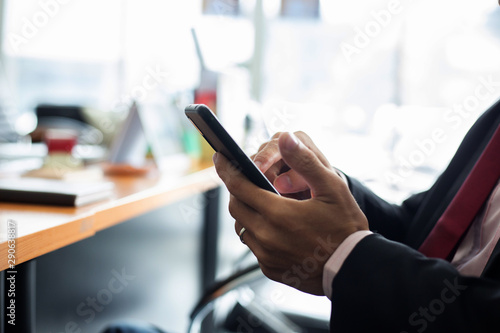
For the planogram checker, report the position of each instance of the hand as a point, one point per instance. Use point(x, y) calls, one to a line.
point(285, 180)
point(292, 239)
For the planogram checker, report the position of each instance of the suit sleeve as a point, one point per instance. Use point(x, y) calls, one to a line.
point(385, 218)
point(385, 286)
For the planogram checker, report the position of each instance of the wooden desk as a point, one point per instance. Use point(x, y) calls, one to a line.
point(42, 229)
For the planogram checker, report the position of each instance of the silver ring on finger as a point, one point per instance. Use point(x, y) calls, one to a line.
point(242, 231)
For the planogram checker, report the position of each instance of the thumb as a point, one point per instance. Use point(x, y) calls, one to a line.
point(320, 179)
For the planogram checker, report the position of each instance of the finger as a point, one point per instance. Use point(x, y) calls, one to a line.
point(275, 170)
point(285, 183)
point(268, 161)
point(308, 142)
point(241, 212)
point(263, 146)
point(239, 186)
point(268, 155)
point(290, 182)
point(246, 237)
point(308, 165)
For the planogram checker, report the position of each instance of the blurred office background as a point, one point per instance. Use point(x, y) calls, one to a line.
point(386, 88)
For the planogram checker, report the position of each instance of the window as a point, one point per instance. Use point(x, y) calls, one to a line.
point(59, 51)
point(370, 73)
point(372, 80)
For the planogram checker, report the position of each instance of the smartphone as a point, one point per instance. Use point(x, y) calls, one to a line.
point(214, 133)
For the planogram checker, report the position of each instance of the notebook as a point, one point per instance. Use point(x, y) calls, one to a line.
point(53, 192)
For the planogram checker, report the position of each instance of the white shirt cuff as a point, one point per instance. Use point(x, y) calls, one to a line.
point(333, 265)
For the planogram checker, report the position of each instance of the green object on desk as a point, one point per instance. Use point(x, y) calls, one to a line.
point(191, 143)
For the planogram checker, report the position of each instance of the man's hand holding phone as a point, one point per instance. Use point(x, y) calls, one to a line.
point(292, 239)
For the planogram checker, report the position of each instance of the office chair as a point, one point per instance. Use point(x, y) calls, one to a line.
point(248, 302)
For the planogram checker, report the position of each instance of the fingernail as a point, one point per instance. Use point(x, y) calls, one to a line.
point(292, 141)
point(258, 164)
point(284, 182)
point(215, 157)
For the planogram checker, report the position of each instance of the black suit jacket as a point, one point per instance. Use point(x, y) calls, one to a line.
point(385, 285)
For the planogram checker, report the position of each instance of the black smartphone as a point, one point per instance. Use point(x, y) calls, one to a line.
point(214, 133)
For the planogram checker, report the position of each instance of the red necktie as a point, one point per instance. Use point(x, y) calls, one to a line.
point(466, 204)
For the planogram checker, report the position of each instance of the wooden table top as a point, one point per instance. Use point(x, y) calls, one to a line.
point(42, 229)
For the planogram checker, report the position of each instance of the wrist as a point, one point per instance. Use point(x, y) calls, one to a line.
point(336, 260)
